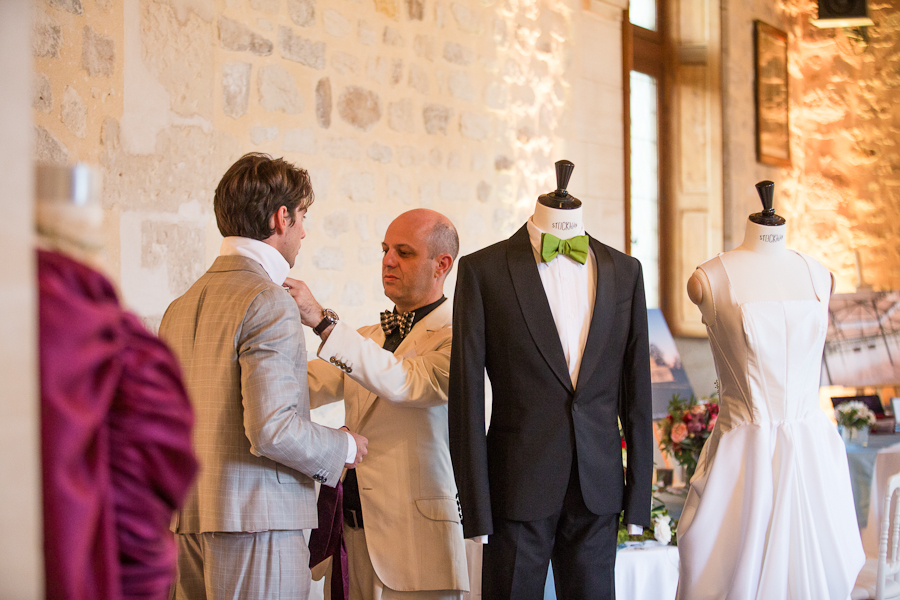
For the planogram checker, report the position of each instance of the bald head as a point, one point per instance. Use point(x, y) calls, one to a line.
point(419, 247)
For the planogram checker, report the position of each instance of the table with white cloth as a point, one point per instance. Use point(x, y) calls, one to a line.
point(870, 469)
point(644, 571)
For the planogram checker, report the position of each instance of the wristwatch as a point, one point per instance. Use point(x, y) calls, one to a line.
point(329, 318)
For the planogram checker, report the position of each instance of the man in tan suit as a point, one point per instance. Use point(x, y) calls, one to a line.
point(238, 336)
point(401, 518)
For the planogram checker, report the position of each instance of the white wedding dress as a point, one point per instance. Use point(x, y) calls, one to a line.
point(769, 514)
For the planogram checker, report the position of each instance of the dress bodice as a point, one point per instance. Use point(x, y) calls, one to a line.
point(768, 354)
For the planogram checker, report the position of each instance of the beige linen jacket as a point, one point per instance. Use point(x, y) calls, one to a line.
point(399, 402)
point(239, 340)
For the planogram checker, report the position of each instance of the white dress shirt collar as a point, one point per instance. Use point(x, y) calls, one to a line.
point(271, 259)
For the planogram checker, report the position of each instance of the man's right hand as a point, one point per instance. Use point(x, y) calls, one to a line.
point(310, 309)
point(361, 448)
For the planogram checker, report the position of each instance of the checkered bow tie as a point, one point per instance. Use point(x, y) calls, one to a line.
point(391, 321)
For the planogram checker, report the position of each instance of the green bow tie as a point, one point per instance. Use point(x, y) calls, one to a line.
point(575, 248)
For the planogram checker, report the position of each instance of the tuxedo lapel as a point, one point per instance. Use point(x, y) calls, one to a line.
point(534, 304)
point(601, 318)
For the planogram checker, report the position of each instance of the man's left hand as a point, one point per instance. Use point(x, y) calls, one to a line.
point(310, 309)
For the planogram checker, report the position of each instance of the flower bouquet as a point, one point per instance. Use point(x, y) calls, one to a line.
point(663, 526)
point(686, 428)
point(854, 416)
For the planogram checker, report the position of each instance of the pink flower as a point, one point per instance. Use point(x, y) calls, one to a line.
point(679, 432)
point(712, 422)
point(698, 409)
point(695, 427)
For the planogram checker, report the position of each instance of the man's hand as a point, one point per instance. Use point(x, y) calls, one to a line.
point(361, 448)
point(310, 309)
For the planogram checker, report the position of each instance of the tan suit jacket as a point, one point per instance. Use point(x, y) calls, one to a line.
point(238, 337)
point(399, 402)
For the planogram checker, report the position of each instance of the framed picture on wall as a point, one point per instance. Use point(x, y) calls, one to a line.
point(772, 134)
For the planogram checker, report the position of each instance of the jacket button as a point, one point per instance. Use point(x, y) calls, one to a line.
point(349, 370)
point(574, 407)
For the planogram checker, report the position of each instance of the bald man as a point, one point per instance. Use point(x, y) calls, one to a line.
point(402, 523)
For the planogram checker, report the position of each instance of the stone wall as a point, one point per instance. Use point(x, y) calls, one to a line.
point(841, 193)
point(457, 105)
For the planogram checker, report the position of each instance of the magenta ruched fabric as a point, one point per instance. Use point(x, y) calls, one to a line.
point(115, 441)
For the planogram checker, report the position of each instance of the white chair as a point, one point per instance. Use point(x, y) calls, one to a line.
point(878, 577)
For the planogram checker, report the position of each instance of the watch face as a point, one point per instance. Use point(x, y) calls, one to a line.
point(330, 314)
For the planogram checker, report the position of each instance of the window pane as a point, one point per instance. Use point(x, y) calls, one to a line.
point(643, 13)
point(645, 181)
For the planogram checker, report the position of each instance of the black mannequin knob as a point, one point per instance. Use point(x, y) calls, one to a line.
point(564, 170)
point(766, 191)
point(561, 198)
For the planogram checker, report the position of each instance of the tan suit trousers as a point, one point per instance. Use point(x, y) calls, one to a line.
point(266, 565)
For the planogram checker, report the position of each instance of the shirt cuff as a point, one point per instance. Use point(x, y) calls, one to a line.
point(351, 449)
point(635, 529)
point(480, 539)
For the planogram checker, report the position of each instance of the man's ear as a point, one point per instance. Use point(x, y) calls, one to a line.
point(444, 263)
point(278, 221)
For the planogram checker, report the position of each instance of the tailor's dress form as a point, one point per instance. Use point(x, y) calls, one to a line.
point(770, 511)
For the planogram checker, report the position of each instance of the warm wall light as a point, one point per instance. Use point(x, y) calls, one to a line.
point(843, 13)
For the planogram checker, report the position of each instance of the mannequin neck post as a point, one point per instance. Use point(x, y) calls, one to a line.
point(764, 239)
point(563, 223)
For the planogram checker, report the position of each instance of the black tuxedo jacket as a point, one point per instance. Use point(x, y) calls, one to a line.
point(502, 323)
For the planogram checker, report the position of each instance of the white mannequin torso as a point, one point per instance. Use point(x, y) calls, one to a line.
point(762, 268)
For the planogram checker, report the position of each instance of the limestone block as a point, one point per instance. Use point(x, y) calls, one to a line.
point(474, 126)
point(496, 95)
point(359, 107)
point(522, 95)
point(321, 288)
point(98, 53)
point(389, 8)
point(359, 187)
point(468, 20)
point(48, 149)
point(176, 246)
point(300, 140)
point(269, 6)
point(354, 294)
point(344, 63)
point(260, 135)
point(484, 191)
point(451, 191)
point(381, 153)
point(240, 38)
point(265, 24)
point(396, 71)
point(278, 90)
point(409, 156)
point(298, 49)
point(336, 24)
point(524, 134)
point(440, 14)
point(370, 254)
point(423, 45)
point(436, 118)
point(329, 259)
point(41, 93)
point(461, 86)
point(392, 37)
point(503, 163)
point(361, 224)
point(501, 36)
point(418, 78)
point(435, 157)
point(367, 34)
point(458, 54)
point(323, 102)
point(336, 223)
point(72, 6)
point(415, 9)
point(479, 161)
point(398, 189)
point(235, 88)
point(427, 192)
point(321, 181)
point(342, 147)
point(302, 12)
point(105, 4)
point(74, 112)
point(46, 35)
point(454, 161)
point(378, 69)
